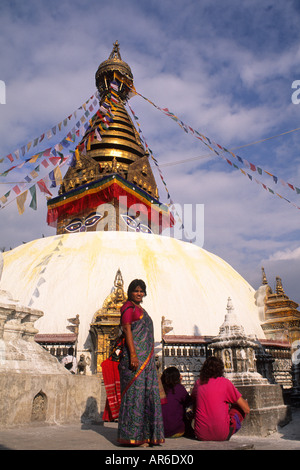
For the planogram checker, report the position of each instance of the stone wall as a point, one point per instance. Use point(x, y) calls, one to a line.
point(267, 409)
point(48, 398)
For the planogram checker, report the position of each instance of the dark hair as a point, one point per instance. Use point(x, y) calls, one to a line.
point(133, 285)
point(213, 367)
point(170, 377)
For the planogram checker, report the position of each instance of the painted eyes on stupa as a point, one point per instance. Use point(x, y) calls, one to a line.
point(135, 225)
point(92, 219)
point(78, 225)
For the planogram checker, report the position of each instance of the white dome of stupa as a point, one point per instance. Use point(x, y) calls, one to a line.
point(66, 275)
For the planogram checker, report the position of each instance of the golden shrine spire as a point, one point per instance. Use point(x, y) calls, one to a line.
point(110, 166)
point(111, 69)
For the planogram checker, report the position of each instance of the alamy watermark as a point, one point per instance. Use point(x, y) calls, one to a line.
point(2, 92)
point(183, 221)
point(296, 93)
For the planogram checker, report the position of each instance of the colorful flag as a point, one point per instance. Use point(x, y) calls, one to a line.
point(21, 202)
point(16, 189)
point(41, 184)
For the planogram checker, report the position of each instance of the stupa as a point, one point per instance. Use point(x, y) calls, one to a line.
point(111, 169)
point(109, 219)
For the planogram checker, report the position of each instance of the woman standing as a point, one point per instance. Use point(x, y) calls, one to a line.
point(140, 416)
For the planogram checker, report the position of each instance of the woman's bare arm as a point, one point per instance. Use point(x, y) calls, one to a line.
point(244, 405)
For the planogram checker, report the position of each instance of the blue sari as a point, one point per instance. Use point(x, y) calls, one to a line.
point(140, 417)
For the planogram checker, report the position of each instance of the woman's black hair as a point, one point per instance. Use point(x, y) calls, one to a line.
point(213, 367)
point(170, 377)
point(133, 285)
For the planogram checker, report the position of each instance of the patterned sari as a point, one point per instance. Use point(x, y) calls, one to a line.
point(140, 415)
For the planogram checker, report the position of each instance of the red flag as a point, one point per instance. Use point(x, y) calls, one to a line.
point(17, 189)
point(43, 187)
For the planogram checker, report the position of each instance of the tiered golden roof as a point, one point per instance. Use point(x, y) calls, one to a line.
point(120, 149)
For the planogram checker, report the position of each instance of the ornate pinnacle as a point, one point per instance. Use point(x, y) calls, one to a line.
point(115, 53)
point(279, 288)
point(264, 277)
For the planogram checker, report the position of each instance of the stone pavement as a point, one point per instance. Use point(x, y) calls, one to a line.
point(103, 436)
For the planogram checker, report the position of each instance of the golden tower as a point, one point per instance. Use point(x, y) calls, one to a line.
point(111, 166)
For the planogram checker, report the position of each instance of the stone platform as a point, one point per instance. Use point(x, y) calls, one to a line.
point(268, 410)
point(103, 437)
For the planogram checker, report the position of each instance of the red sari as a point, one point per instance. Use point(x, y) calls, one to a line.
point(111, 379)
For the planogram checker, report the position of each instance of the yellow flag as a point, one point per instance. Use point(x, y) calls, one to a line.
point(21, 201)
point(57, 175)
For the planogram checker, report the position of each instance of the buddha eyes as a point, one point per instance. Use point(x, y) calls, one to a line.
point(134, 225)
point(74, 225)
point(77, 225)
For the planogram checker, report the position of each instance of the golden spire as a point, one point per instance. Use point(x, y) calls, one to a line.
point(264, 277)
point(109, 70)
point(120, 149)
point(279, 287)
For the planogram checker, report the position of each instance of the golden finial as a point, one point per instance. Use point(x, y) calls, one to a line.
point(279, 288)
point(115, 53)
point(264, 277)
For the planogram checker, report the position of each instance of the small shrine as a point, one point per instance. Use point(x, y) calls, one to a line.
point(281, 317)
point(105, 324)
point(237, 350)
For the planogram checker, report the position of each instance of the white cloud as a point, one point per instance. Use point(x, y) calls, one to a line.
point(287, 254)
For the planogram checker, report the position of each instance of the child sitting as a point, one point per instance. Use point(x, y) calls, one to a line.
point(177, 399)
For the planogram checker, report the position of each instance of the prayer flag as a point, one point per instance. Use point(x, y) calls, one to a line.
point(41, 184)
point(57, 175)
point(16, 189)
point(114, 85)
point(45, 163)
point(34, 174)
point(52, 179)
point(21, 201)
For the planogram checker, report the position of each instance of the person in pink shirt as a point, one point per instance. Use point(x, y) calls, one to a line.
point(219, 406)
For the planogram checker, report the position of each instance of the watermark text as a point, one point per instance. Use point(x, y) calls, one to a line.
point(2, 92)
point(296, 93)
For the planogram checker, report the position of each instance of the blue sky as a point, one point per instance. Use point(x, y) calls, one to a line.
point(224, 68)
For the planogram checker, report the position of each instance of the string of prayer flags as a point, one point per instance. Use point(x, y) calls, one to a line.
point(51, 132)
point(218, 149)
point(257, 181)
point(43, 185)
point(150, 151)
point(55, 155)
point(41, 280)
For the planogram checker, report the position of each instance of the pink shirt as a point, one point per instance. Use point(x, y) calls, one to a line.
point(212, 408)
point(131, 313)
